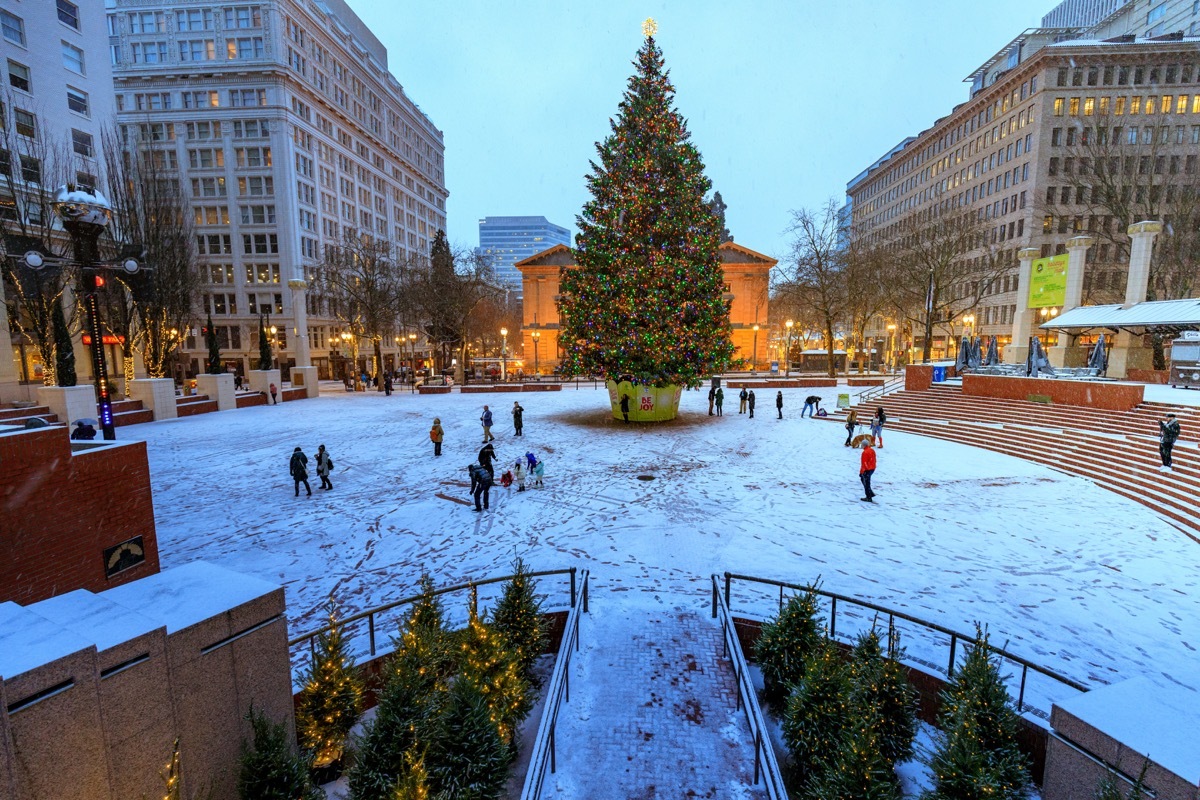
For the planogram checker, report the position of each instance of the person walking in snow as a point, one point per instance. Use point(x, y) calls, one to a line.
point(481, 484)
point(742, 401)
point(779, 403)
point(298, 467)
point(811, 404)
point(539, 469)
point(625, 407)
point(518, 417)
point(712, 398)
point(486, 455)
point(518, 472)
point(877, 423)
point(750, 403)
point(1168, 434)
point(387, 384)
point(865, 470)
point(486, 421)
point(720, 401)
point(851, 424)
point(436, 435)
point(324, 467)
point(274, 391)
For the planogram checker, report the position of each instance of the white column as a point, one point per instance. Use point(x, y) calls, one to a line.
point(1018, 348)
point(1064, 353)
point(1141, 246)
point(300, 315)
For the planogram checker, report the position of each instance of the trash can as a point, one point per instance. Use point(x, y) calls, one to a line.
point(939, 374)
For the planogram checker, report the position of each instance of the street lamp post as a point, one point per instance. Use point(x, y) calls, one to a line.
point(536, 335)
point(504, 355)
point(891, 352)
point(754, 352)
point(412, 353)
point(787, 353)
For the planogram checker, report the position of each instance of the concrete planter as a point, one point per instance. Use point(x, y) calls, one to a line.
point(306, 378)
point(69, 402)
point(219, 388)
point(261, 380)
point(156, 394)
point(646, 403)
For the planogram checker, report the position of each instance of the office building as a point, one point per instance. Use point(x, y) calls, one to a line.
point(287, 132)
point(507, 240)
point(1106, 19)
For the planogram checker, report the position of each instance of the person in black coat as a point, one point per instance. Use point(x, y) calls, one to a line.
point(481, 483)
point(518, 416)
point(83, 431)
point(387, 384)
point(779, 403)
point(486, 455)
point(298, 466)
point(625, 407)
point(750, 403)
point(1168, 434)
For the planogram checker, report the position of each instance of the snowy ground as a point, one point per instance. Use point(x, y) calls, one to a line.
point(1063, 572)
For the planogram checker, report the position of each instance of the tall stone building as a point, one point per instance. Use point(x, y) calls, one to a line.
point(54, 103)
point(507, 240)
point(1021, 155)
point(287, 131)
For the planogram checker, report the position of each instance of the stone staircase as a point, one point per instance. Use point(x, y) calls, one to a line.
point(18, 416)
point(1118, 450)
point(194, 404)
point(129, 412)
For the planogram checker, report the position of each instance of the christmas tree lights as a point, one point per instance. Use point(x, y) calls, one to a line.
point(332, 698)
point(786, 643)
point(646, 300)
point(488, 661)
point(518, 616)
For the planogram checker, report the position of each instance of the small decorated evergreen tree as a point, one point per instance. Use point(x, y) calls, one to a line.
point(214, 365)
point(818, 712)
point(786, 642)
point(64, 350)
point(1110, 786)
point(270, 770)
point(487, 660)
point(172, 777)
point(265, 359)
point(468, 759)
point(881, 690)
point(857, 768)
point(977, 744)
point(646, 300)
point(518, 616)
point(332, 698)
point(413, 784)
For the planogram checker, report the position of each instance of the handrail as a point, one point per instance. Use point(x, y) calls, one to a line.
point(370, 614)
point(558, 688)
point(765, 763)
point(873, 392)
point(955, 636)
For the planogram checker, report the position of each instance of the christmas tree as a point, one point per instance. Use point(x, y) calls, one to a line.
point(857, 769)
point(332, 698)
point(518, 616)
point(786, 642)
point(468, 760)
point(487, 660)
point(265, 359)
point(818, 713)
point(1110, 786)
point(171, 776)
point(881, 690)
point(214, 365)
point(270, 770)
point(414, 783)
point(645, 302)
point(978, 754)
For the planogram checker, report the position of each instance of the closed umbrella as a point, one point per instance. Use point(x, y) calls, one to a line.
point(960, 358)
point(1037, 362)
point(975, 356)
point(1098, 360)
point(993, 353)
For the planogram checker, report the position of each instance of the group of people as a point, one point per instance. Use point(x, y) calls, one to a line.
point(298, 467)
point(877, 422)
point(483, 475)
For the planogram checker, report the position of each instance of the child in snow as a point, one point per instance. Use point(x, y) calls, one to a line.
point(538, 470)
point(518, 473)
point(506, 479)
point(532, 460)
point(877, 422)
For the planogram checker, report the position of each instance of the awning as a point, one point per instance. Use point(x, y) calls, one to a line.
point(1167, 316)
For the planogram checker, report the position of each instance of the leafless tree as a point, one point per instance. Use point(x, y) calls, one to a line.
point(152, 218)
point(814, 277)
point(867, 296)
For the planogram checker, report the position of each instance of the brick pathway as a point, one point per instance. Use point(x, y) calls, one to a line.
point(653, 711)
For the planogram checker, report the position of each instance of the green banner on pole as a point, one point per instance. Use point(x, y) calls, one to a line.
point(1048, 282)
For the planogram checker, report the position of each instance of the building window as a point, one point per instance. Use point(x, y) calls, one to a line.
point(19, 77)
point(68, 13)
point(146, 22)
point(260, 243)
point(247, 97)
point(256, 186)
point(149, 52)
point(157, 101)
point(247, 47)
point(72, 57)
point(77, 101)
point(194, 20)
point(81, 142)
point(243, 17)
point(1058, 107)
point(258, 215)
point(1156, 13)
point(211, 99)
point(197, 50)
point(203, 130)
point(206, 158)
point(31, 169)
point(26, 123)
point(254, 156)
point(13, 27)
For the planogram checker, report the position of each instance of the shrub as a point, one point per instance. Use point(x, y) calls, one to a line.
point(785, 644)
point(270, 769)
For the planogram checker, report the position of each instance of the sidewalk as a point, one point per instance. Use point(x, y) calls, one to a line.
point(653, 711)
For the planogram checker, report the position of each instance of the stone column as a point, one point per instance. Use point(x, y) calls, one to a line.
point(1128, 351)
point(1018, 348)
point(156, 394)
point(1065, 353)
point(304, 373)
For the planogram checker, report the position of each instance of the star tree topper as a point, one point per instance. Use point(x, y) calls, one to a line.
point(649, 27)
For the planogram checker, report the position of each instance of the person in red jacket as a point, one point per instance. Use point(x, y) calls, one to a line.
point(866, 470)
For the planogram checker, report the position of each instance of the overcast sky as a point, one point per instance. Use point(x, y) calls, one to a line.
point(786, 99)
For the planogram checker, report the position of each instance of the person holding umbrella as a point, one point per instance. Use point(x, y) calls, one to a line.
point(85, 430)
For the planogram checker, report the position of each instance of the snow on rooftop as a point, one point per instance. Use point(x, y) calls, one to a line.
point(28, 640)
point(189, 594)
point(95, 618)
point(1157, 721)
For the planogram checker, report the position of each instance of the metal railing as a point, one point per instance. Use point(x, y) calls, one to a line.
point(353, 624)
point(875, 392)
point(557, 690)
point(766, 766)
point(926, 635)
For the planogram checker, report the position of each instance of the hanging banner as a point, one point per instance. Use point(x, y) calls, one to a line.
point(1048, 282)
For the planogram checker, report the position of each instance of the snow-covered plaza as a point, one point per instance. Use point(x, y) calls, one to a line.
point(1064, 573)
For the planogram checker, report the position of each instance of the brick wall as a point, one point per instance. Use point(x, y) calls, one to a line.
point(60, 510)
point(1091, 394)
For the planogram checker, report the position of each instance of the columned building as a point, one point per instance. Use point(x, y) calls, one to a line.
point(1022, 155)
point(747, 281)
point(287, 132)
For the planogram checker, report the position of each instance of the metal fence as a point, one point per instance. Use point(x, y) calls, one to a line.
point(368, 623)
point(929, 645)
point(558, 690)
point(766, 766)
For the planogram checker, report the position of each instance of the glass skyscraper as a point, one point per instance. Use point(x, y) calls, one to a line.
point(511, 239)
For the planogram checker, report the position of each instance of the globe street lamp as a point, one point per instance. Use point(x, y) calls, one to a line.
point(536, 335)
point(412, 350)
point(504, 355)
point(787, 354)
point(754, 352)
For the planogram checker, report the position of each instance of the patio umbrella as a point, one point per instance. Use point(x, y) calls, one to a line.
point(1098, 360)
point(993, 353)
point(1037, 363)
point(975, 356)
point(960, 358)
